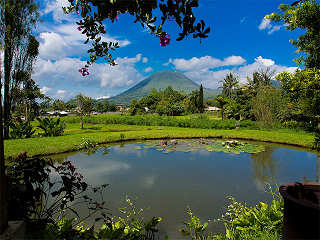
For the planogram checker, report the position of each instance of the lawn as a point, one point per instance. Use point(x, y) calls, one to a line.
point(107, 133)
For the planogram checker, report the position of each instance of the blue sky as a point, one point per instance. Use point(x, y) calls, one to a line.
point(241, 41)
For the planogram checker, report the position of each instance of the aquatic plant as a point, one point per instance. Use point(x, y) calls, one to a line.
point(232, 146)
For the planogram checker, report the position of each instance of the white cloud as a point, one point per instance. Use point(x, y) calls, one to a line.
point(206, 62)
point(264, 61)
point(66, 40)
point(266, 25)
point(103, 97)
point(61, 92)
point(274, 29)
point(55, 7)
point(144, 60)
point(44, 90)
point(57, 73)
point(148, 69)
point(212, 79)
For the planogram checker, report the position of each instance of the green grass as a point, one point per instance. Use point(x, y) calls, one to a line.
point(107, 133)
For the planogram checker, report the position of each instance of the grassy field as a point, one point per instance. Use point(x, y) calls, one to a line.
point(107, 133)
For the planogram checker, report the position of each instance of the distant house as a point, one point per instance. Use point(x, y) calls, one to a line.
point(212, 109)
point(62, 113)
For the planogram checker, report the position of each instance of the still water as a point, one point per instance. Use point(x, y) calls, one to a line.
point(165, 184)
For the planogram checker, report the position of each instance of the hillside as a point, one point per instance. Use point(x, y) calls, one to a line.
point(160, 81)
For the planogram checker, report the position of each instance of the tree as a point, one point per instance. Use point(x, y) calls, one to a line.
point(3, 178)
point(302, 91)
point(222, 100)
point(229, 83)
point(306, 16)
point(267, 105)
point(20, 48)
point(94, 13)
point(26, 100)
point(58, 105)
point(192, 102)
point(85, 105)
point(200, 100)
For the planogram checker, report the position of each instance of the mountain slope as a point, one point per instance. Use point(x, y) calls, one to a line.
point(160, 81)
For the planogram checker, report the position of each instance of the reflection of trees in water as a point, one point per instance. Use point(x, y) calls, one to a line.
point(264, 166)
point(317, 171)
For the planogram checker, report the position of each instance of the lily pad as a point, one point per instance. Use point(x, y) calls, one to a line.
point(233, 146)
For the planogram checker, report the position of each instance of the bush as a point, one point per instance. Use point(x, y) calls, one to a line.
point(51, 126)
point(200, 121)
point(241, 222)
point(21, 129)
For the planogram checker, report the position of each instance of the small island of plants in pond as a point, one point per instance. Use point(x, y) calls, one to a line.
point(231, 146)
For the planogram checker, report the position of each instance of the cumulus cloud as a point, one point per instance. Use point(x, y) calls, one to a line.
point(266, 25)
point(55, 7)
point(103, 97)
point(57, 73)
point(148, 69)
point(66, 40)
point(211, 78)
point(144, 60)
point(45, 90)
point(206, 62)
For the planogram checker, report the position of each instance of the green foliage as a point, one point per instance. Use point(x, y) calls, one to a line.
point(21, 129)
point(243, 222)
point(51, 126)
point(130, 227)
point(303, 15)
point(316, 143)
point(194, 228)
point(302, 92)
point(87, 144)
point(229, 83)
point(232, 146)
point(261, 222)
point(201, 121)
point(104, 106)
point(267, 105)
point(94, 14)
point(200, 100)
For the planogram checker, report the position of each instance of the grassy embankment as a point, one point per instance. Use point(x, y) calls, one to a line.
point(101, 131)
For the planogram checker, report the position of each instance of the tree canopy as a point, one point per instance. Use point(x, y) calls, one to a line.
point(304, 15)
point(95, 12)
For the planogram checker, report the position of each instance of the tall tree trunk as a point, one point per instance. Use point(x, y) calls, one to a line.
point(7, 74)
point(3, 179)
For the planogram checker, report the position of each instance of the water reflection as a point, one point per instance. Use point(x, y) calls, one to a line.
point(264, 166)
point(169, 182)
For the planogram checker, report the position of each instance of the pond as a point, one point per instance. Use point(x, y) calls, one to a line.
point(165, 181)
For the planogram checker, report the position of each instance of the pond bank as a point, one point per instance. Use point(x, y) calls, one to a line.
point(109, 133)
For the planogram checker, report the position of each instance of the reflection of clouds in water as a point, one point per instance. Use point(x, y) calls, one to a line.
point(148, 181)
point(99, 172)
point(311, 155)
point(129, 150)
point(202, 152)
point(106, 167)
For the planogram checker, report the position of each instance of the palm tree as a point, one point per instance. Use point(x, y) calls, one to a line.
point(229, 83)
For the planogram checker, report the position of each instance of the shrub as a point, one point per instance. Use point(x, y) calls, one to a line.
point(51, 126)
point(21, 129)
